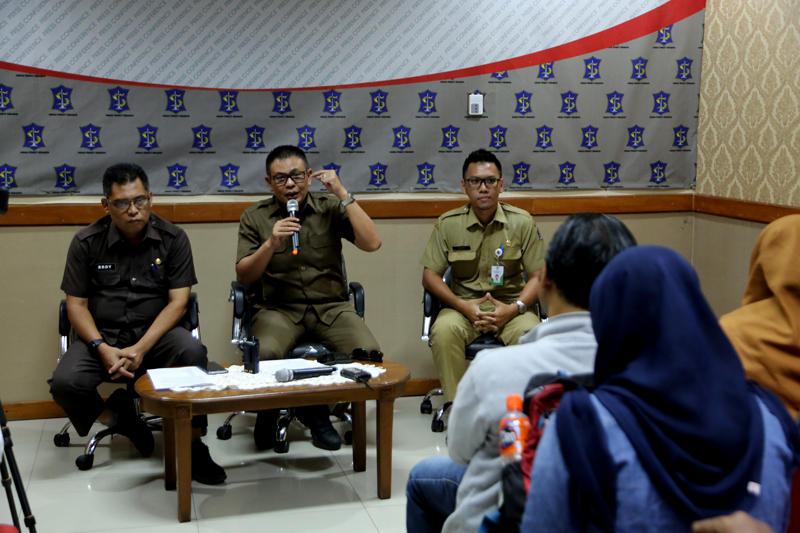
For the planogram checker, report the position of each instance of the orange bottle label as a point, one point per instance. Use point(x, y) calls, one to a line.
point(513, 433)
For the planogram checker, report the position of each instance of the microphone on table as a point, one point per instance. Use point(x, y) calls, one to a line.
point(284, 374)
point(292, 206)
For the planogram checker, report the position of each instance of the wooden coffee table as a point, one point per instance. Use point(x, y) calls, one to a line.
point(177, 409)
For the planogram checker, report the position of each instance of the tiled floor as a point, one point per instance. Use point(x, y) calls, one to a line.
point(305, 490)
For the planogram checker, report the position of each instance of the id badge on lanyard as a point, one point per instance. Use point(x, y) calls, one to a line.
point(497, 270)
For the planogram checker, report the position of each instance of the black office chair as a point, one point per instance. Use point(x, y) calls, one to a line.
point(244, 299)
point(430, 308)
point(67, 334)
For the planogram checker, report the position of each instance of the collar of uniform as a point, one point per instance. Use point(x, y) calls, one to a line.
point(274, 207)
point(499, 216)
point(114, 236)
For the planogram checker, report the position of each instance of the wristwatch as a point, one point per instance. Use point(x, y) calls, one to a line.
point(349, 200)
point(95, 344)
point(522, 307)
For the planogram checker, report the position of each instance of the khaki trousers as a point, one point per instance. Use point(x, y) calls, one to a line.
point(451, 333)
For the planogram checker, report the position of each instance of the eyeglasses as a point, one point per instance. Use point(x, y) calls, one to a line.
point(281, 179)
point(475, 183)
point(124, 205)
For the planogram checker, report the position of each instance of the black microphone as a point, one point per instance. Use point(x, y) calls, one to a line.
point(284, 374)
point(293, 206)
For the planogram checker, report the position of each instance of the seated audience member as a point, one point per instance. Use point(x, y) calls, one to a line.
point(128, 279)
point(303, 293)
point(488, 245)
point(438, 497)
point(672, 432)
point(765, 331)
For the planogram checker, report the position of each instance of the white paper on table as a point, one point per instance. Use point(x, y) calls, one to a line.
point(184, 376)
point(270, 367)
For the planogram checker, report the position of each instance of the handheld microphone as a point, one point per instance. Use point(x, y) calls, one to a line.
point(284, 374)
point(292, 206)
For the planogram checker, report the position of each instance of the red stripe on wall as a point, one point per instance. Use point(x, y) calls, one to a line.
point(669, 13)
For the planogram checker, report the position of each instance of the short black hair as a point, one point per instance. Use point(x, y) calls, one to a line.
point(580, 249)
point(285, 152)
point(481, 156)
point(122, 174)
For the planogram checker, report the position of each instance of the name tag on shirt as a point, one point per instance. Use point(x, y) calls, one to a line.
point(460, 248)
point(497, 275)
point(105, 267)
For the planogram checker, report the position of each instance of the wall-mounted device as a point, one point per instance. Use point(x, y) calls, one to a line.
point(475, 104)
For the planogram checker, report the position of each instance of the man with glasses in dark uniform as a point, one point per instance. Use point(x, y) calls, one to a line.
point(128, 279)
point(488, 245)
point(303, 291)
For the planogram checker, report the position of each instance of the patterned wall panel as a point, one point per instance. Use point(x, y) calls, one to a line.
point(749, 129)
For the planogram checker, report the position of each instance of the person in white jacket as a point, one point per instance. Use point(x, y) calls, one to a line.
point(454, 494)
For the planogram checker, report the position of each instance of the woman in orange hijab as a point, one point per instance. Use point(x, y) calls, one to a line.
point(766, 330)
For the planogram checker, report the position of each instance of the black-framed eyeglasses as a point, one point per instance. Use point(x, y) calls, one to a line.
point(280, 179)
point(475, 183)
point(124, 205)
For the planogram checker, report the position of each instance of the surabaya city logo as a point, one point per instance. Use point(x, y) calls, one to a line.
point(230, 176)
point(177, 176)
point(521, 171)
point(402, 137)
point(639, 71)
point(352, 136)
point(544, 137)
point(90, 137)
point(614, 103)
point(34, 136)
point(450, 137)
point(681, 138)
point(684, 69)
point(546, 71)
point(333, 102)
point(566, 173)
point(5, 98)
point(65, 177)
point(228, 102)
point(7, 177)
point(118, 100)
point(281, 102)
point(591, 69)
point(62, 99)
point(589, 137)
point(255, 137)
point(611, 173)
point(425, 174)
point(377, 174)
point(305, 136)
point(378, 103)
point(427, 102)
point(202, 137)
point(523, 100)
point(658, 172)
point(569, 103)
point(498, 137)
point(147, 137)
point(175, 100)
point(664, 35)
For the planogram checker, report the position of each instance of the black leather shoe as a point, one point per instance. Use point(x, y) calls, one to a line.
point(204, 469)
point(129, 424)
point(266, 426)
point(318, 419)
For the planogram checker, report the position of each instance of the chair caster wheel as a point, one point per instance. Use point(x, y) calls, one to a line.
point(437, 426)
point(348, 437)
point(224, 432)
point(61, 439)
point(425, 407)
point(282, 446)
point(84, 462)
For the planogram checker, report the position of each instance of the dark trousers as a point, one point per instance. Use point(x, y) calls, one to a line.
point(78, 374)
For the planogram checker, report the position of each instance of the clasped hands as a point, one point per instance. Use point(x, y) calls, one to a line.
point(120, 362)
point(489, 321)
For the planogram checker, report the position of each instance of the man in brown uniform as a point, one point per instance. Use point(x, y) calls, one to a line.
point(488, 245)
point(128, 279)
point(304, 292)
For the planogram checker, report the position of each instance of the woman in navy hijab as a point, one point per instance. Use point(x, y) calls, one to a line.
point(672, 432)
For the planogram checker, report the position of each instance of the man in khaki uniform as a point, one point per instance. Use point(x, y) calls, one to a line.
point(488, 245)
point(303, 292)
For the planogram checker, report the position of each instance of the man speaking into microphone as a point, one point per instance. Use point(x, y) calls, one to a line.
point(298, 258)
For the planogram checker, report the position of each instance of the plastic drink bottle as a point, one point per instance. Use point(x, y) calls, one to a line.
point(513, 430)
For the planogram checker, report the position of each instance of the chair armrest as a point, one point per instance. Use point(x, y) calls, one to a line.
point(193, 311)
point(64, 324)
point(357, 295)
point(239, 298)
